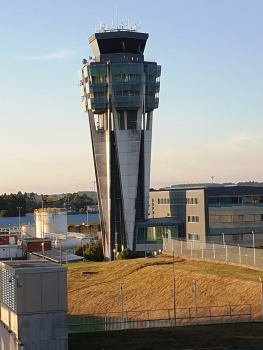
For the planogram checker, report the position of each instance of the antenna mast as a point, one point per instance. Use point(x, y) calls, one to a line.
point(117, 15)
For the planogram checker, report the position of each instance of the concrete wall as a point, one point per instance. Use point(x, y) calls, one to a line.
point(44, 331)
point(7, 339)
point(197, 228)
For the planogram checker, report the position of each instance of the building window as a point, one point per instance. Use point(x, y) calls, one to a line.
point(193, 237)
point(193, 218)
point(159, 201)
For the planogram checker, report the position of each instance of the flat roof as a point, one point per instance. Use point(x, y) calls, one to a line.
point(159, 222)
point(214, 188)
point(33, 266)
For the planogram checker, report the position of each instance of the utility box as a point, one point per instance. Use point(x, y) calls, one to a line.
point(34, 304)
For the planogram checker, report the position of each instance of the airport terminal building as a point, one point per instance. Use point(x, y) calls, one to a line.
point(205, 214)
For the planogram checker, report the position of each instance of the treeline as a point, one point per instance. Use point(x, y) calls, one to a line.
point(9, 203)
point(215, 184)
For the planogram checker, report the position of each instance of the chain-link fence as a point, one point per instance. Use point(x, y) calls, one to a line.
point(222, 252)
point(158, 318)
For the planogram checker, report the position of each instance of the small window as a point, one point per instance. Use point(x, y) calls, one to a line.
point(193, 237)
point(159, 201)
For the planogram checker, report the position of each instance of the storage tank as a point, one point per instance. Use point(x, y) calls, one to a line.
point(51, 220)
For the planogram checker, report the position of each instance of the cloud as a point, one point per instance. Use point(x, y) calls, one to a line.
point(52, 56)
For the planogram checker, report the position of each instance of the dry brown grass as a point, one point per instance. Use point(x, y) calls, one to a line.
point(147, 284)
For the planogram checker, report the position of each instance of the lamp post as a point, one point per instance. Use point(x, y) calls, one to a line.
point(19, 221)
point(114, 254)
point(174, 292)
point(10, 256)
point(261, 297)
point(43, 237)
point(254, 248)
point(195, 301)
point(43, 250)
point(121, 306)
point(82, 248)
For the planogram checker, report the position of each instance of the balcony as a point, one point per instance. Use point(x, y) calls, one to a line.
point(153, 86)
point(98, 103)
point(152, 103)
point(127, 102)
point(126, 68)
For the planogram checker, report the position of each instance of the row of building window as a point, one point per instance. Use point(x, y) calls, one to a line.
point(193, 219)
point(126, 77)
point(127, 93)
point(178, 201)
point(173, 214)
point(255, 199)
point(236, 218)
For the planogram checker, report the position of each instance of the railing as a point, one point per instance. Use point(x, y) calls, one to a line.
point(222, 252)
point(159, 318)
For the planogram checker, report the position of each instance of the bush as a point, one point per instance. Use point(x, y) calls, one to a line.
point(79, 250)
point(94, 252)
point(126, 254)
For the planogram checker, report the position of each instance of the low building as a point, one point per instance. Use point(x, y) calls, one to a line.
point(222, 213)
point(33, 305)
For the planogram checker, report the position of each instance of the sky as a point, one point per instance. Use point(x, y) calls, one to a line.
point(210, 116)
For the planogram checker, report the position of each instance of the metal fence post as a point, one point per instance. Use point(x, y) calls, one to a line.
point(191, 248)
point(202, 250)
point(254, 249)
point(214, 250)
point(239, 253)
point(181, 247)
point(226, 252)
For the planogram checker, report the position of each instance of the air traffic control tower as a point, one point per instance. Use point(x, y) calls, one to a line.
point(120, 91)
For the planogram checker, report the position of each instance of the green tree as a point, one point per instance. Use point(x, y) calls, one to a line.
point(94, 252)
point(126, 254)
point(80, 249)
point(3, 213)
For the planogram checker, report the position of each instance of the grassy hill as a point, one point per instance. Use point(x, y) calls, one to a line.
point(148, 284)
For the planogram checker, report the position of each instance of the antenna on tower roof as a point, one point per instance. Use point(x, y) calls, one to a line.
point(117, 15)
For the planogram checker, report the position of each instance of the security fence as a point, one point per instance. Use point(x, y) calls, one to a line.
point(222, 252)
point(158, 318)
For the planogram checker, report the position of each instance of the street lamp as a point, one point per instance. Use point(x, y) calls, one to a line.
point(43, 237)
point(261, 296)
point(9, 244)
point(43, 250)
point(195, 301)
point(19, 221)
point(114, 252)
point(159, 251)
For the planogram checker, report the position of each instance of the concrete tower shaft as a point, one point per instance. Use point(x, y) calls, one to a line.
point(119, 91)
